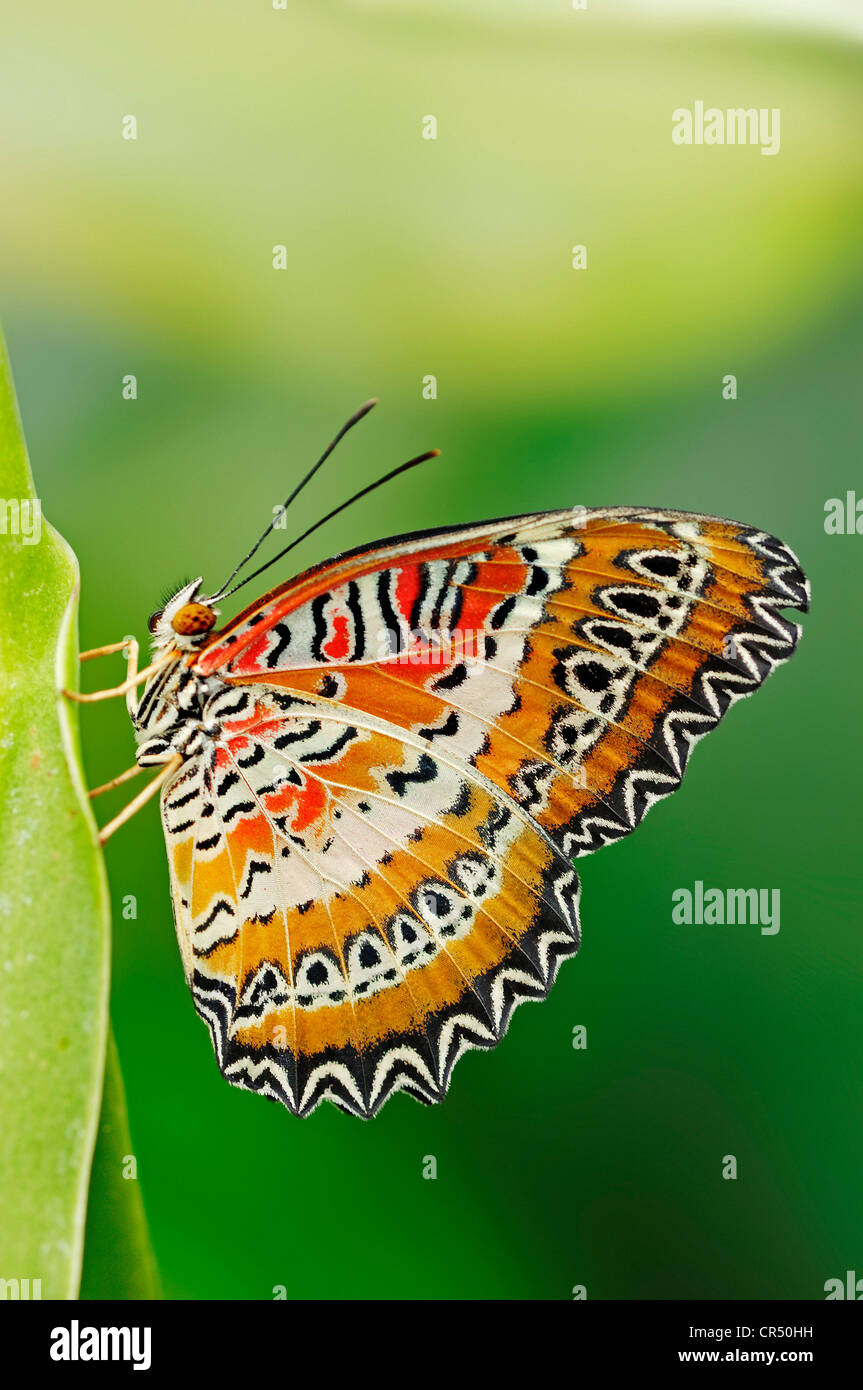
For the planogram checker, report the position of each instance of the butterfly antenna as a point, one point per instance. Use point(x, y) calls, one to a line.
point(372, 487)
point(348, 425)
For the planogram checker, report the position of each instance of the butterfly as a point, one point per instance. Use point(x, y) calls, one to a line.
point(375, 779)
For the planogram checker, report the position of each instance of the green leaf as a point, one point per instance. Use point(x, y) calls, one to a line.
point(54, 904)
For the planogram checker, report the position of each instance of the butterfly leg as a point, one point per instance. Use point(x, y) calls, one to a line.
point(129, 646)
point(117, 781)
point(134, 677)
point(140, 800)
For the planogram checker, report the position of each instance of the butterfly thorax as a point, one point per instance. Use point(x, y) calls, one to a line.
point(172, 715)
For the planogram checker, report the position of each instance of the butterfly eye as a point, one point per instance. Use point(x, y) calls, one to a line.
point(193, 618)
point(153, 620)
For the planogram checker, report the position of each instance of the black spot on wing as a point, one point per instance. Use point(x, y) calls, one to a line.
point(256, 866)
point(448, 729)
point(425, 771)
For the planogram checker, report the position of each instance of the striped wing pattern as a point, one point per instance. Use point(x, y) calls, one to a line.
point(371, 856)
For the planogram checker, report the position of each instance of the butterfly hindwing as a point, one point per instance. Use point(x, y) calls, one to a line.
point(358, 909)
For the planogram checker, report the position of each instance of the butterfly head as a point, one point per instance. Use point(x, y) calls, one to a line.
point(185, 619)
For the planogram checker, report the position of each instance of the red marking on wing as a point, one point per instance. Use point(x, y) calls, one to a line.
point(339, 644)
point(407, 588)
point(310, 802)
point(256, 649)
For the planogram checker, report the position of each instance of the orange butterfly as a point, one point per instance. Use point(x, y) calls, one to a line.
point(375, 778)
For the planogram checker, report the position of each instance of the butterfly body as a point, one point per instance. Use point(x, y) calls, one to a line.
point(390, 762)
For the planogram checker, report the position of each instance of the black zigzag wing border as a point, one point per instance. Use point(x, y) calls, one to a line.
point(420, 1063)
point(761, 644)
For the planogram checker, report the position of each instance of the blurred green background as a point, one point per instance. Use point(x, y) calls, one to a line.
point(408, 257)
